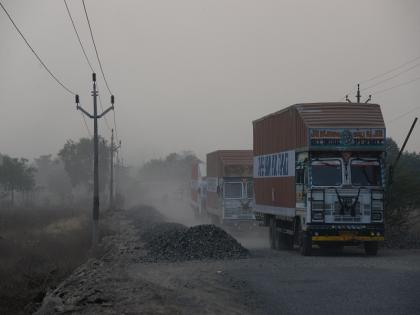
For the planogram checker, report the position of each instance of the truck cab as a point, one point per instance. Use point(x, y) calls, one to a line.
point(230, 194)
point(236, 198)
point(342, 196)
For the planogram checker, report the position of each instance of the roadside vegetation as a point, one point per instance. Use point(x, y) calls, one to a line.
point(39, 248)
point(45, 221)
point(403, 203)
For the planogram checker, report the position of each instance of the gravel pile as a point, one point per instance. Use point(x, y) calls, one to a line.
point(174, 242)
point(156, 230)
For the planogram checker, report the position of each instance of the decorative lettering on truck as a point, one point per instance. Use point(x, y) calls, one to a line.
point(281, 164)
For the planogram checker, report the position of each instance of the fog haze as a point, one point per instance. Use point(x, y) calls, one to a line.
point(192, 75)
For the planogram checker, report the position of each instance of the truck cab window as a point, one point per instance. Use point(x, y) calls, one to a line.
point(233, 190)
point(326, 173)
point(366, 173)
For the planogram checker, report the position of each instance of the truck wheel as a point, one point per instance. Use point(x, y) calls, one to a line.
point(285, 241)
point(306, 244)
point(289, 241)
point(371, 248)
point(272, 234)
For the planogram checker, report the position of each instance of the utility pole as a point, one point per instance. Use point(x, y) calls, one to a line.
point(358, 96)
point(95, 117)
point(111, 184)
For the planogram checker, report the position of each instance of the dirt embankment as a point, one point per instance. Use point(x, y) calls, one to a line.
point(152, 267)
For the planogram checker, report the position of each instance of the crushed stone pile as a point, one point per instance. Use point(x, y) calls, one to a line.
point(175, 242)
point(155, 230)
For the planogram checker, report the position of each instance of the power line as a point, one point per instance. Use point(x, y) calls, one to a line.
point(36, 55)
point(385, 73)
point(392, 77)
point(404, 114)
point(87, 60)
point(96, 50)
point(78, 37)
point(390, 70)
point(86, 125)
point(102, 71)
point(396, 86)
point(106, 120)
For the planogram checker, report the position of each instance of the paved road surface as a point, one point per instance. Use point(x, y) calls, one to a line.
point(349, 283)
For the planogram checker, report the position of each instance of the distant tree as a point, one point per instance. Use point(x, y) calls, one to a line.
point(16, 175)
point(77, 158)
point(403, 193)
point(51, 177)
point(176, 166)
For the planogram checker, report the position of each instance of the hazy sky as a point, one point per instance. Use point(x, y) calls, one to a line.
point(193, 74)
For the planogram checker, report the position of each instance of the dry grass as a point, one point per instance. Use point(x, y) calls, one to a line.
point(38, 249)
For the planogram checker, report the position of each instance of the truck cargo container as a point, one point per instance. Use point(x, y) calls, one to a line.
point(319, 175)
point(230, 196)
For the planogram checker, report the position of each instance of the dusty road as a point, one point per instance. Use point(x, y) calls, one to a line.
point(270, 282)
point(283, 282)
point(349, 283)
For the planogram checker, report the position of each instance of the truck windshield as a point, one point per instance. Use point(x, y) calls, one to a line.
point(233, 190)
point(326, 173)
point(366, 173)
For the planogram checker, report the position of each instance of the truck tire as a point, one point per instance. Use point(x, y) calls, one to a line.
point(272, 234)
point(371, 248)
point(306, 244)
point(289, 241)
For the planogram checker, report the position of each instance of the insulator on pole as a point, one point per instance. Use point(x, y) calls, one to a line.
point(112, 99)
point(94, 77)
point(77, 98)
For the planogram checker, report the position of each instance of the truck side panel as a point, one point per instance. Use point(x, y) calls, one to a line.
point(275, 191)
point(280, 132)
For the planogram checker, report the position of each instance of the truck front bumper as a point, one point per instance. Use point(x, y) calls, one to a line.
point(346, 233)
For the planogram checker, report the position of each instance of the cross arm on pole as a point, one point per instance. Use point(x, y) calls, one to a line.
point(84, 112)
point(106, 111)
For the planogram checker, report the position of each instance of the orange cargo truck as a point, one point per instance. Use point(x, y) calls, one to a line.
point(230, 196)
point(319, 175)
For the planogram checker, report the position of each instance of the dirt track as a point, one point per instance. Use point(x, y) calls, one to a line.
point(270, 282)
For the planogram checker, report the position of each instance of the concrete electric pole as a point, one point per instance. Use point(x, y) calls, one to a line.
point(95, 117)
point(358, 96)
point(111, 184)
